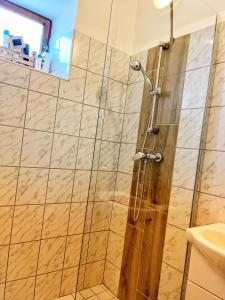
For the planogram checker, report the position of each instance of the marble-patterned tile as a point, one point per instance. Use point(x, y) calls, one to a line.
point(211, 209)
point(10, 145)
point(119, 218)
point(111, 278)
point(85, 154)
point(73, 89)
point(73, 249)
point(127, 153)
point(48, 286)
point(109, 154)
point(64, 151)
point(123, 188)
point(134, 97)
point(44, 83)
point(105, 185)
point(108, 60)
point(130, 128)
point(2, 290)
point(190, 128)
point(213, 173)
point(60, 186)
point(20, 289)
point(22, 260)
point(88, 219)
point(81, 186)
point(98, 243)
point(175, 247)
point(6, 217)
point(185, 168)
point(41, 110)
point(68, 117)
point(101, 119)
point(119, 68)
point(36, 149)
point(180, 207)
point(94, 273)
point(96, 155)
point(96, 57)
point(93, 89)
point(112, 128)
point(115, 249)
point(215, 129)
point(89, 122)
point(170, 283)
point(84, 250)
point(27, 223)
point(12, 105)
point(69, 281)
point(32, 186)
point(80, 280)
point(51, 255)
point(56, 219)
point(104, 92)
point(219, 52)
point(4, 250)
point(218, 90)
point(87, 293)
point(80, 50)
point(98, 289)
point(101, 216)
point(14, 74)
point(77, 218)
point(137, 76)
point(116, 96)
point(8, 183)
point(195, 88)
point(200, 48)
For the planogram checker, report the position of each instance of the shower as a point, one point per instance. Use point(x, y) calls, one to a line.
point(141, 156)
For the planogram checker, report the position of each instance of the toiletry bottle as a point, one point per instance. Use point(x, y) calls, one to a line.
point(6, 37)
point(46, 62)
point(39, 62)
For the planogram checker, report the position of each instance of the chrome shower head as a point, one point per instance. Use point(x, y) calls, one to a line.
point(137, 66)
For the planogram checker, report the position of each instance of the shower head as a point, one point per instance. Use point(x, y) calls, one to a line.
point(137, 66)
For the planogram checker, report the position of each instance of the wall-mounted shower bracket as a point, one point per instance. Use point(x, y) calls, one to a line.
point(154, 130)
point(155, 92)
point(158, 157)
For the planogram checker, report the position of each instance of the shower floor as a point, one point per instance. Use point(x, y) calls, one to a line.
point(98, 292)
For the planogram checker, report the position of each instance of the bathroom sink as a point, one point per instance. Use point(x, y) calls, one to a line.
point(210, 241)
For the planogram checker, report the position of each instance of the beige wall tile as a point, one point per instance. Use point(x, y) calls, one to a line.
point(218, 92)
point(84, 250)
point(97, 246)
point(111, 277)
point(32, 186)
point(211, 209)
point(69, 281)
point(12, 105)
point(44, 83)
point(101, 216)
point(180, 207)
point(14, 74)
point(4, 250)
point(48, 286)
point(6, 216)
point(219, 51)
point(73, 249)
point(112, 128)
point(27, 223)
point(96, 57)
point(80, 280)
point(41, 110)
point(73, 89)
point(93, 89)
point(2, 291)
point(119, 218)
point(105, 186)
point(89, 121)
point(10, 145)
point(123, 188)
point(36, 149)
point(22, 260)
point(60, 186)
point(170, 283)
point(8, 182)
point(108, 156)
point(175, 247)
point(88, 220)
point(81, 186)
point(64, 151)
point(20, 289)
point(116, 96)
point(77, 218)
point(94, 273)
point(119, 68)
point(51, 255)
point(134, 96)
point(85, 154)
point(115, 249)
point(80, 50)
point(130, 128)
point(68, 117)
point(127, 152)
point(55, 220)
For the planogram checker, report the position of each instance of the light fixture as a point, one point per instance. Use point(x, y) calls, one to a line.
point(160, 4)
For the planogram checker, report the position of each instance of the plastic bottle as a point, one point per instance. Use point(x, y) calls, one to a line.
point(39, 62)
point(6, 38)
point(46, 62)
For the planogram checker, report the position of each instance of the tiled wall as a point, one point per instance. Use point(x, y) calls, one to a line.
point(61, 146)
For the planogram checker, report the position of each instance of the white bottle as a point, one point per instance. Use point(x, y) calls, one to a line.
point(46, 62)
point(39, 62)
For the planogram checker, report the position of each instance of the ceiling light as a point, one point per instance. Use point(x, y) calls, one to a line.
point(159, 4)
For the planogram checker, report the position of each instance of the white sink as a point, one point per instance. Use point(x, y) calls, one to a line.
point(210, 241)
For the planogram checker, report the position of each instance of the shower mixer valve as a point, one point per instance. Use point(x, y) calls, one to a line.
point(158, 157)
